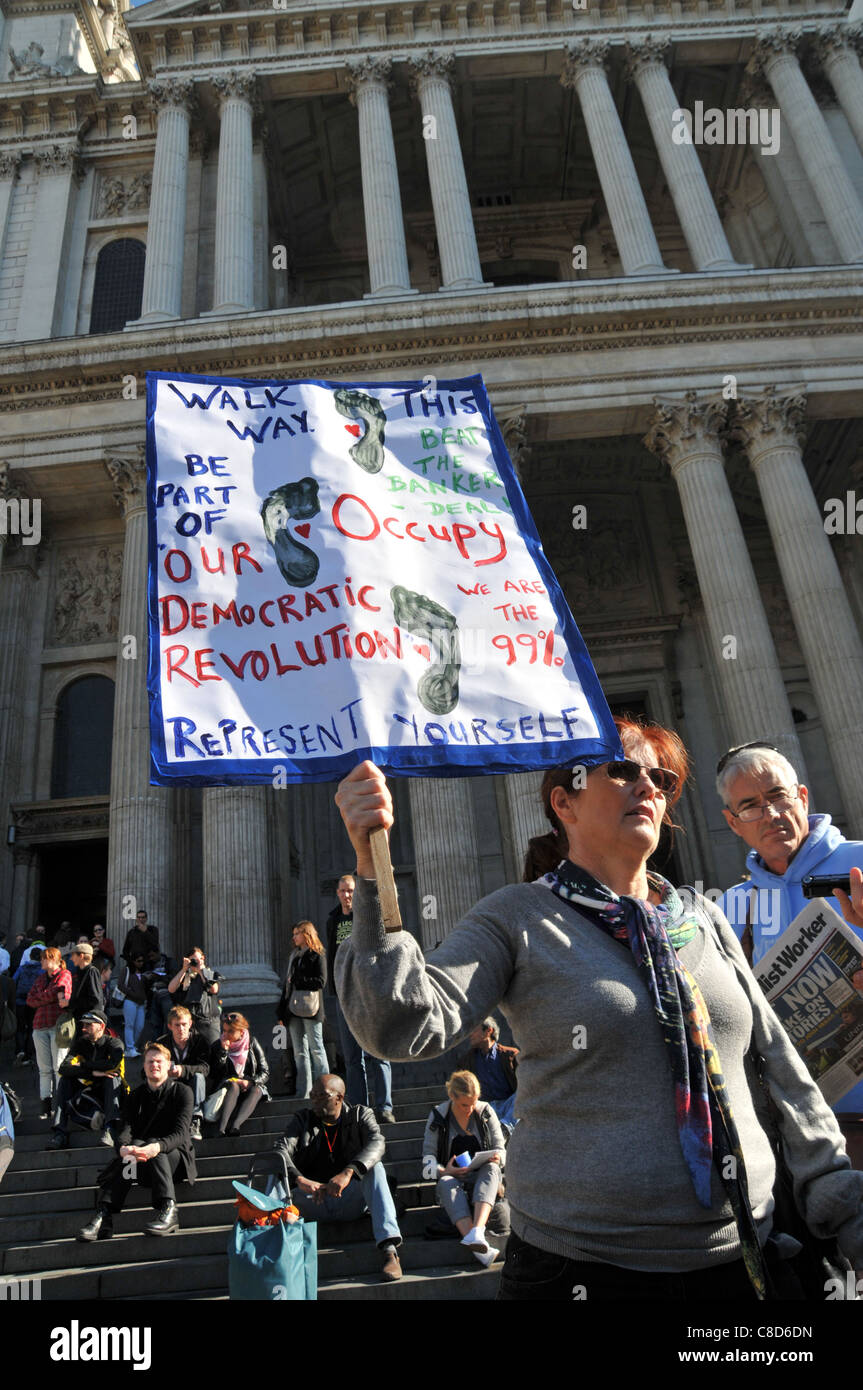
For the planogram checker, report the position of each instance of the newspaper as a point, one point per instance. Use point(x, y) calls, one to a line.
point(808, 977)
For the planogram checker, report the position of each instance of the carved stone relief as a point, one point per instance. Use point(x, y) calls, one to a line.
point(119, 195)
point(86, 598)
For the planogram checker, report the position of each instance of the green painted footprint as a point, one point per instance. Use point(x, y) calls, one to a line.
point(368, 452)
point(422, 617)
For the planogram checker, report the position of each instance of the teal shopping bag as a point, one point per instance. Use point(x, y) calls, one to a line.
point(278, 1262)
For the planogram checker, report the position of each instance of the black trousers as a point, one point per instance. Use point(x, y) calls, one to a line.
point(157, 1174)
point(529, 1272)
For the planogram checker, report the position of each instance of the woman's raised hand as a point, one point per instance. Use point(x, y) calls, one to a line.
point(364, 800)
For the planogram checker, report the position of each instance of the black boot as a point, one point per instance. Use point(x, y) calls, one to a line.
point(165, 1221)
point(101, 1227)
point(47, 1108)
point(59, 1140)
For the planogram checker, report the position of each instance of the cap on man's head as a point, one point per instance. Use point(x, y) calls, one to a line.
point(82, 948)
point(95, 1016)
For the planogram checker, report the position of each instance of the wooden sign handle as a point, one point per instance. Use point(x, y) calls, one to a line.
point(380, 847)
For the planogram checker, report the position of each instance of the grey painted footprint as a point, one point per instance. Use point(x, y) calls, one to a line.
point(368, 452)
point(422, 617)
point(292, 501)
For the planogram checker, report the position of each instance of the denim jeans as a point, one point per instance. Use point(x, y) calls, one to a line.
point(364, 1072)
point(48, 1059)
point(370, 1193)
point(134, 1017)
point(307, 1040)
point(504, 1109)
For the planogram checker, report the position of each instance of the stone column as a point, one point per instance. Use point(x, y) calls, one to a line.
point(836, 49)
point(238, 907)
point(685, 434)
point(524, 817)
point(459, 256)
point(385, 231)
point(45, 268)
point(24, 892)
point(446, 853)
point(17, 582)
point(140, 839)
point(630, 220)
point(234, 289)
point(163, 269)
point(771, 429)
point(9, 166)
point(693, 201)
point(842, 209)
point(513, 427)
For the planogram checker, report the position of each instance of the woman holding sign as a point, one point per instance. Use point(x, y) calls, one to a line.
point(640, 1168)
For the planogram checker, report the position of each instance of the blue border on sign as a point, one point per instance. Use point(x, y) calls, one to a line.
point(420, 761)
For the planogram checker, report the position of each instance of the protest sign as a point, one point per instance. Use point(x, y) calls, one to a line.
point(341, 571)
point(809, 978)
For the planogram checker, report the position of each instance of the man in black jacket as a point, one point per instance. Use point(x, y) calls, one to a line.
point(334, 1158)
point(154, 1147)
point(94, 1064)
point(140, 939)
point(190, 1059)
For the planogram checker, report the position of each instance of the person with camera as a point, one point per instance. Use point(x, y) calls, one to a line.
point(197, 987)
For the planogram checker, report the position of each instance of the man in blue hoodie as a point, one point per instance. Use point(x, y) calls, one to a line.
point(767, 807)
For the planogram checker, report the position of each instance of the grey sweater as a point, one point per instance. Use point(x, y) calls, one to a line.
point(595, 1170)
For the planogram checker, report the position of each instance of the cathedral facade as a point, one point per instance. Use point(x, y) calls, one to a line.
point(640, 220)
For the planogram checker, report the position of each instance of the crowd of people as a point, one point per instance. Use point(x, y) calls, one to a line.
point(630, 1146)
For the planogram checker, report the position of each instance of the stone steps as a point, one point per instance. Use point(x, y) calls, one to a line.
point(46, 1196)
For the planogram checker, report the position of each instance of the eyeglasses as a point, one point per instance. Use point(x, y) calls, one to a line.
point(780, 800)
point(743, 748)
point(231, 1018)
point(627, 770)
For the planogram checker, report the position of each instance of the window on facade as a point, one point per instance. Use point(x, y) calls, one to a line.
point(82, 739)
point(118, 286)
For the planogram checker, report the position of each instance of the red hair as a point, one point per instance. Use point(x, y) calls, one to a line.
point(669, 751)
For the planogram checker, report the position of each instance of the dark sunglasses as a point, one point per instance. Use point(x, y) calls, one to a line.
point(743, 748)
point(627, 770)
point(231, 1018)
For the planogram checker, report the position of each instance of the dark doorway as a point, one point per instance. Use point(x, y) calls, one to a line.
point(73, 883)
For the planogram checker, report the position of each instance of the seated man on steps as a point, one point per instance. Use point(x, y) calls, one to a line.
point(154, 1147)
point(190, 1059)
point(334, 1158)
point(494, 1067)
point(93, 1065)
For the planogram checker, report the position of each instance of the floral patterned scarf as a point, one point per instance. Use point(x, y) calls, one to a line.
point(708, 1134)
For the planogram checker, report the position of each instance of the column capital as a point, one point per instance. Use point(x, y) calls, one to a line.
point(10, 161)
point(128, 474)
point(59, 159)
point(685, 427)
point(368, 72)
point(235, 85)
point(770, 421)
point(171, 91)
point(587, 53)
point(646, 53)
point(8, 489)
point(837, 40)
point(431, 64)
point(770, 46)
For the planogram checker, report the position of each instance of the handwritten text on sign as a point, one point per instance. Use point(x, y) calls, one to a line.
point(341, 571)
